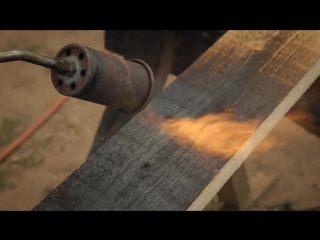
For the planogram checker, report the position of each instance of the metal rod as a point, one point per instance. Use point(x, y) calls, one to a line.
point(17, 55)
point(63, 67)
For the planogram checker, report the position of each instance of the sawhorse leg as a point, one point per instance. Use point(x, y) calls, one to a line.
point(240, 191)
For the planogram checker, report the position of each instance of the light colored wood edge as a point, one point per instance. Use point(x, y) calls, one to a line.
point(266, 126)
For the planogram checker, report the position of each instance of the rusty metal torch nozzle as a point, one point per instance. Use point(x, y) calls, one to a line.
point(64, 67)
point(126, 85)
point(84, 73)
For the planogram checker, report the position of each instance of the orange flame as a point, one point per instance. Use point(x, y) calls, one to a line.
point(214, 134)
point(219, 135)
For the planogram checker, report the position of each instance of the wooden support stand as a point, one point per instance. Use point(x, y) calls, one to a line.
point(240, 191)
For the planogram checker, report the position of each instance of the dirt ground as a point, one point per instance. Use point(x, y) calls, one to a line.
point(62, 144)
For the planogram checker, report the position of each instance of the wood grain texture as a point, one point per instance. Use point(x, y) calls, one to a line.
point(259, 74)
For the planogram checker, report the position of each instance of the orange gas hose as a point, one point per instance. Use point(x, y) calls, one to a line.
point(16, 143)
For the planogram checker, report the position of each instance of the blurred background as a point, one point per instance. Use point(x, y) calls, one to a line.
point(43, 161)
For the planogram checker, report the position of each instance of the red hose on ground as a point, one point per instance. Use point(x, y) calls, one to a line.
point(16, 143)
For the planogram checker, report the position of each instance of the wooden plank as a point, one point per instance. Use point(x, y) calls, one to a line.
point(258, 75)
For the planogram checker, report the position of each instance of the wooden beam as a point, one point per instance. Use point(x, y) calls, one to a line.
point(258, 74)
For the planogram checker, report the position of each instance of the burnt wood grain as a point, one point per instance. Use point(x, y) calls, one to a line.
point(259, 74)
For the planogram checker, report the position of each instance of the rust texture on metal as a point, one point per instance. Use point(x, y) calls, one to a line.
point(126, 85)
